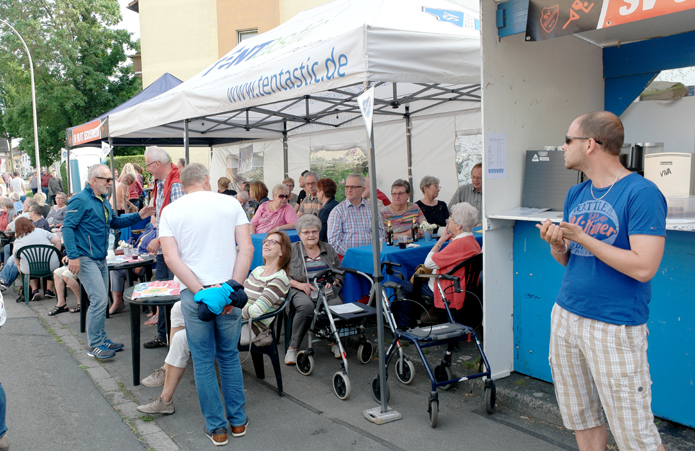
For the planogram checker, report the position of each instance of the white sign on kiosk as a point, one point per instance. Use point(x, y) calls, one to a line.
point(85, 157)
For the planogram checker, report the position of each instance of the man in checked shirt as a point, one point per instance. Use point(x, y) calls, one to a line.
point(167, 189)
point(350, 222)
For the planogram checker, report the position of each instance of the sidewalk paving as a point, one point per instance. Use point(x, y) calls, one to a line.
point(309, 417)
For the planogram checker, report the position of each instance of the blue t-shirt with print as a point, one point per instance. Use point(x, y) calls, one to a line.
point(590, 288)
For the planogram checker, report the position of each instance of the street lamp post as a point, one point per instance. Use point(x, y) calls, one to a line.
point(33, 96)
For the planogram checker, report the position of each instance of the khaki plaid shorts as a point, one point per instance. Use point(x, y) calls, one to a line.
point(595, 365)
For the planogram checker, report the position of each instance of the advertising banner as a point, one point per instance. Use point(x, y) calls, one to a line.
point(91, 131)
point(549, 19)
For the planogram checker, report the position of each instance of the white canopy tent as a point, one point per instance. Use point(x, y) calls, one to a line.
point(297, 85)
point(301, 79)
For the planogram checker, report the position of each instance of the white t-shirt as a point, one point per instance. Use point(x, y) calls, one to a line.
point(16, 185)
point(38, 236)
point(203, 224)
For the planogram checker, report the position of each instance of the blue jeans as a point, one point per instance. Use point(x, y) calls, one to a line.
point(207, 340)
point(3, 403)
point(94, 276)
point(48, 196)
point(162, 273)
point(9, 273)
point(6, 253)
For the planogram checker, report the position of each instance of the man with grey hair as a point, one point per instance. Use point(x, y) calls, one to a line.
point(199, 260)
point(243, 198)
point(350, 222)
point(167, 189)
point(311, 205)
point(472, 192)
point(85, 230)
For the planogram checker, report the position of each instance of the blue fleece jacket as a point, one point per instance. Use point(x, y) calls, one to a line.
point(87, 222)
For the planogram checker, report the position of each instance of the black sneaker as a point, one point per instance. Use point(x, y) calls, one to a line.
point(35, 295)
point(101, 352)
point(158, 342)
point(115, 347)
point(49, 294)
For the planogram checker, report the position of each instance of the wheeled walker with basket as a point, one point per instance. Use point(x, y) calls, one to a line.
point(332, 323)
point(447, 333)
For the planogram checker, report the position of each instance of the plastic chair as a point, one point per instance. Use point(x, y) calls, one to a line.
point(271, 350)
point(38, 257)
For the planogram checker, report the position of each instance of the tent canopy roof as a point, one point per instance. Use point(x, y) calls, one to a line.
point(304, 75)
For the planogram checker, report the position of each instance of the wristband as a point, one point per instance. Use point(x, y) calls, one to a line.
point(559, 253)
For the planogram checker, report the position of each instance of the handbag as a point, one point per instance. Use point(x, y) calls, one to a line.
point(265, 338)
point(421, 269)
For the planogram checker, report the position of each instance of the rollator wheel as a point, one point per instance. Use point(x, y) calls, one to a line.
point(376, 390)
point(305, 363)
point(433, 411)
point(490, 396)
point(443, 373)
point(408, 373)
point(364, 352)
point(341, 385)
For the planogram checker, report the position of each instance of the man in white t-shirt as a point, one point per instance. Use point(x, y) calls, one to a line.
point(17, 186)
point(199, 259)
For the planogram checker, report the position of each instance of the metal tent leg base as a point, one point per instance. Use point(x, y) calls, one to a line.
point(376, 416)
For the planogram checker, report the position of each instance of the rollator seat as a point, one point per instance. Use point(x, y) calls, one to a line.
point(438, 332)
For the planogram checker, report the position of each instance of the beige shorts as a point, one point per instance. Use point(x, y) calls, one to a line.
point(179, 352)
point(596, 364)
point(63, 271)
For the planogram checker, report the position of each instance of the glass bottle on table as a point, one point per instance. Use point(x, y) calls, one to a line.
point(389, 234)
point(415, 229)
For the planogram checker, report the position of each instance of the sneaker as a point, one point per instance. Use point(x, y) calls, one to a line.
point(49, 294)
point(158, 406)
point(155, 379)
point(335, 349)
point(115, 347)
point(158, 342)
point(35, 295)
point(240, 431)
point(218, 436)
point(4, 444)
point(3, 285)
point(291, 356)
point(101, 352)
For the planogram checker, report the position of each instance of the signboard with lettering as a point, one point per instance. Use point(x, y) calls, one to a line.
point(91, 131)
point(549, 19)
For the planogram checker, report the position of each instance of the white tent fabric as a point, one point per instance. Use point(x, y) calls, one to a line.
point(306, 73)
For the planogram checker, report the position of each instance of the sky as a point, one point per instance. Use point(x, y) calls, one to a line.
point(131, 20)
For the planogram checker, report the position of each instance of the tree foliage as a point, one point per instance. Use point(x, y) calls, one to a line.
point(80, 68)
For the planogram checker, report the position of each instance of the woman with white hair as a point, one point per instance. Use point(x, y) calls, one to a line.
point(459, 229)
point(435, 211)
point(275, 215)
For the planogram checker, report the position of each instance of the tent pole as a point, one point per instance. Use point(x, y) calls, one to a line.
point(409, 150)
point(113, 173)
point(185, 141)
point(284, 149)
point(67, 167)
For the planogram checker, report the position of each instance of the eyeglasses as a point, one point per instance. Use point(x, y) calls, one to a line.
point(108, 179)
point(148, 164)
point(309, 232)
point(268, 240)
point(473, 177)
point(309, 183)
point(351, 187)
point(398, 194)
point(568, 139)
point(283, 196)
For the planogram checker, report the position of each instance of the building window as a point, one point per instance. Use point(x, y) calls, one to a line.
point(245, 34)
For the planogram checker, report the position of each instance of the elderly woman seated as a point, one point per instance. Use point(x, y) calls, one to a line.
point(275, 215)
point(309, 257)
point(223, 187)
point(435, 211)
point(401, 212)
point(27, 235)
point(459, 230)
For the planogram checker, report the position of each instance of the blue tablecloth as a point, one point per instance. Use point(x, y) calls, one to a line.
point(361, 258)
point(257, 240)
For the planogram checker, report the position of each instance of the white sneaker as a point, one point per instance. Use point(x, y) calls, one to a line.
point(335, 349)
point(291, 356)
point(155, 379)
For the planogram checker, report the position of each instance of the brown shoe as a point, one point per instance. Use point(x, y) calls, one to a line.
point(240, 431)
point(218, 436)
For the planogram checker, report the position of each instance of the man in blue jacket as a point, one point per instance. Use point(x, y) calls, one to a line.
point(86, 235)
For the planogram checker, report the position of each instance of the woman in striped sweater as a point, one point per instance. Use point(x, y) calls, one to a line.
point(267, 285)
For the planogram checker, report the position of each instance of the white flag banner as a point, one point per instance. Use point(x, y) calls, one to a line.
point(366, 103)
point(63, 155)
point(105, 149)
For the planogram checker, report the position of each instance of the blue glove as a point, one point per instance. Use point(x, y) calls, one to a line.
point(216, 298)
